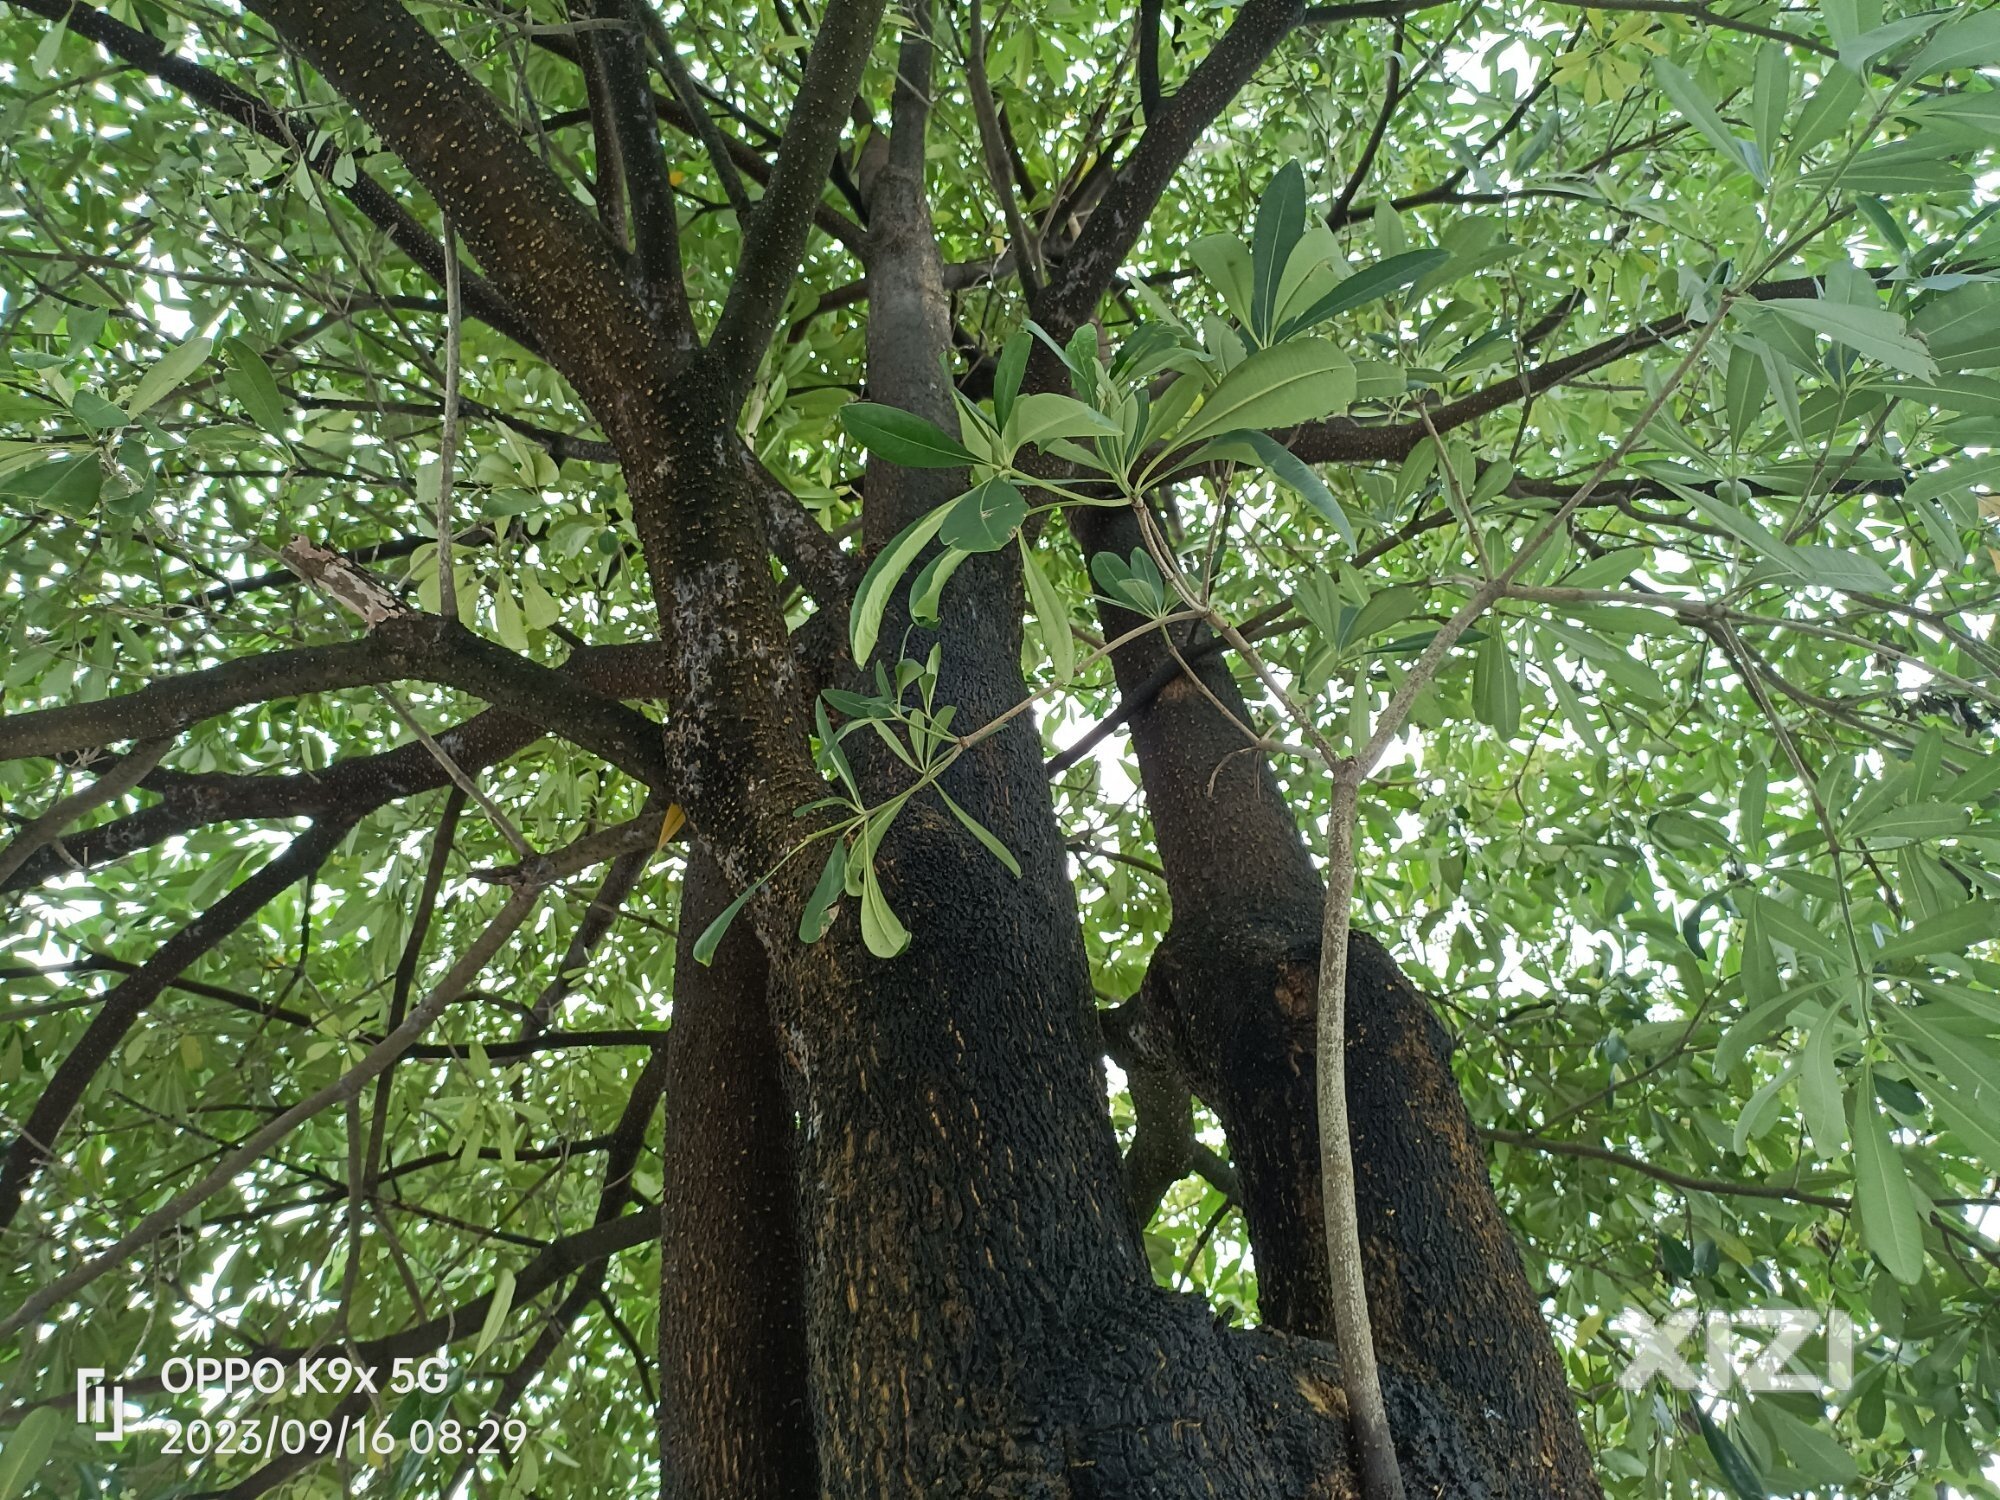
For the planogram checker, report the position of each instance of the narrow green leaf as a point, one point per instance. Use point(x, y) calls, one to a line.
point(1744, 1482)
point(1821, 1097)
point(713, 934)
point(164, 377)
point(902, 437)
point(1693, 103)
point(1872, 332)
point(1949, 932)
point(1382, 278)
point(1298, 381)
point(1281, 219)
point(27, 1450)
point(980, 831)
point(251, 382)
point(1496, 687)
point(1007, 372)
point(818, 914)
point(1299, 475)
point(884, 934)
point(1770, 99)
point(1051, 617)
point(1890, 1227)
point(871, 595)
point(496, 1312)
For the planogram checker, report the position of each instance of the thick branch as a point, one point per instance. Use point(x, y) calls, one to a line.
point(777, 236)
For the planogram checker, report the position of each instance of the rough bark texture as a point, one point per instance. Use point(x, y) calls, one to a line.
point(733, 1403)
point(1229, 1000)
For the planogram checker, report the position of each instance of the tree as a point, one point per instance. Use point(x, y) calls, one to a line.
point(937, 751)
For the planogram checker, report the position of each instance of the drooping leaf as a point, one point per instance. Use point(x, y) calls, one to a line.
point(902, 437)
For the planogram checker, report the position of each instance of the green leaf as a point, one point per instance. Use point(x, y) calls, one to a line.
point(70, 486)
point(1890, 1227)
point(1274, 456)
point(1965, 1100)
point(1770, 99)
point(251, 382)
point(928, 587)
point(979, 831)
point(28, 1448)
point(167, 374)
point(1382, 278)
point(1051, 616)
point(1922, 820)
point(984, 519)
point(1872, 332)
point(1950, 932)
point(1972, 41)
point(1222, 259)
point(1821, 1097)
point(1693, 103)
point(496, 1312)
point(884, 935)
point(902, 437)
point(507, 622)
point(1044, 415)
point(1007, 372)
point(1788, 927)
point(878, 583)
point(1298, 381)
point(1496, 687)
point(713, 934)
point(1281, 220)
point(1814, 1453)
point(1744, 1482)
point(818, 914)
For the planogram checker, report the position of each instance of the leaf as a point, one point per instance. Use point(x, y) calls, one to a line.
point(1382, 278)
point(884, 935)
point(1770, 98)
point(1045, 414)
point(1281, 219)
point(1295, 472)
point(1964, 1100)
point(496, 1312)
point(1922, 820)
point(1890, 1227)
point(537, 603)
point(902, 437)
point(980, 831)
point(27, 1450)
point(1972, 41)
point(166, 375)
point(1950, 932)
point(70, 486)
point(818, 914)
point(871, 595)
point(928, 587)
point(1693, 103)
point(713, 934)
point(1789, 928)
point(1051, 617)
point(984, 519)
point(1007, 372)
point(251, 382)
point(1872, 332)
point(1744, 1482)
point(1222, 259)
point(507, 622)
point(1496, 687)
point(1298, 381)
point(1814, 1453)
point(1821, 1097)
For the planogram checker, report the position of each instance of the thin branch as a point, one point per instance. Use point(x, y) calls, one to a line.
point(113, 784)
point(447, 575)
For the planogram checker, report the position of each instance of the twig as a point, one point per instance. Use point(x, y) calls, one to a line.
point(448, 427)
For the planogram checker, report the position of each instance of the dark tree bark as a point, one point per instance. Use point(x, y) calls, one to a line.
point(734, 1416)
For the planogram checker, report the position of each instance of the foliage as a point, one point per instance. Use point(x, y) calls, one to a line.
point(1693, 832)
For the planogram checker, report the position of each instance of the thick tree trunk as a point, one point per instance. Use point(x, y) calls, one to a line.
point(1230, 1001)
point(734, 1418)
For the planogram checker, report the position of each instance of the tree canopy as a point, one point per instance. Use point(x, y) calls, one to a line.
point(524, 524)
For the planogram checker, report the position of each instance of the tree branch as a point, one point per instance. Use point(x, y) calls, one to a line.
point(776, 238)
